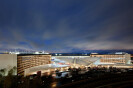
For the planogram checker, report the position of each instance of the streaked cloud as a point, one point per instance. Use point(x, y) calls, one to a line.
point(56, 25)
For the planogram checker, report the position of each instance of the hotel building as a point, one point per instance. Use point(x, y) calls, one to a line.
point(23, 61)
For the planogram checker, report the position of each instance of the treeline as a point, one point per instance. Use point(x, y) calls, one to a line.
point(8, 79)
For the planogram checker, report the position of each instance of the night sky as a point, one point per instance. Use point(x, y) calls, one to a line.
point(64, 25)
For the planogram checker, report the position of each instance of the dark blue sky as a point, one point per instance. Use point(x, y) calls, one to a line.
point(64, 25)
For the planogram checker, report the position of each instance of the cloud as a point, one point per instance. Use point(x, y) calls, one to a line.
point(66, 25)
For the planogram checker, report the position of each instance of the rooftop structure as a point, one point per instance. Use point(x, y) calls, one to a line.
point(75, 60)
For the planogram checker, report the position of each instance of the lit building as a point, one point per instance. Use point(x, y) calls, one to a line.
point(132, 58)
point(26, 61)
point(118, 58)
point(31, 63)
point(23, 61)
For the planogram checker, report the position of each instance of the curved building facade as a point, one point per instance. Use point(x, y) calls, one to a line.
point(25, 61)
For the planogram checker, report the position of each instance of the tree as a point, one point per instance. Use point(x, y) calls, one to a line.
point(3, 71)
point(14, 70)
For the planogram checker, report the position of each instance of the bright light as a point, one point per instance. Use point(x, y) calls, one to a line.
point(56, 54)
point(60, 54)
point(36, 52)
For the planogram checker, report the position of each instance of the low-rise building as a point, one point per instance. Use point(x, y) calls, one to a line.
point(118, 58)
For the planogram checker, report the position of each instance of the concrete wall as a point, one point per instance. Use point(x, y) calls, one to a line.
point(127, 59)
point(8, 61)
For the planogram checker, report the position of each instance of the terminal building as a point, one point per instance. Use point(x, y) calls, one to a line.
point(75, 60)
point(119, 59)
